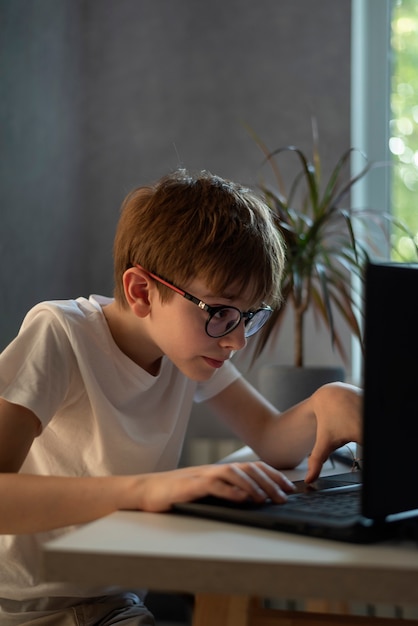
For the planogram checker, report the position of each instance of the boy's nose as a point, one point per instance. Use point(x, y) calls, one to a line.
point(235, 340)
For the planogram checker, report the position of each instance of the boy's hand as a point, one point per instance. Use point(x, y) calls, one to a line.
point(233, 481)
point(338, 409)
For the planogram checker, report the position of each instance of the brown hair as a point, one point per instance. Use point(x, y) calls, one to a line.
point(200, 225)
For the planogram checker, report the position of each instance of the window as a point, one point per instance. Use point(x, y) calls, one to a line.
point(384, 122)
point(384, 105)
point(403, 139)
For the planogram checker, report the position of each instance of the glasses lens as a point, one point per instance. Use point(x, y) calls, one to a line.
point(223, 321)
point(257, 321)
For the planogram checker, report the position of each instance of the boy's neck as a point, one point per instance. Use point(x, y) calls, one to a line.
point(125, 329)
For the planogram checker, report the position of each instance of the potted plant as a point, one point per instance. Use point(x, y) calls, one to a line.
point(326, 242)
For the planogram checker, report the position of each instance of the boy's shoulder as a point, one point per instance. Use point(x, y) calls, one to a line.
point(76, 308)
point(68, 314)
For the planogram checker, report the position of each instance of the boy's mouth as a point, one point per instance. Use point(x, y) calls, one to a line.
point(213, 362)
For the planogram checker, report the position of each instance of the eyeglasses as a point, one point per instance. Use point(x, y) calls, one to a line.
point(222, 319)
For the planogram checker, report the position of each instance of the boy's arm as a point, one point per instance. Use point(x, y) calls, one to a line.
point(30, 503)
point(318, 425)
point(18, 428)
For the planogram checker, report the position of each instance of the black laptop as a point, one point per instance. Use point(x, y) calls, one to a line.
point(379, 501)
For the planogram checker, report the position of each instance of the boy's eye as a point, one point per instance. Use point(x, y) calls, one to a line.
point(223, 313)
point(223, 320)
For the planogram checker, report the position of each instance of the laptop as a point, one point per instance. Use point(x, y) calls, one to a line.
point(380, 501)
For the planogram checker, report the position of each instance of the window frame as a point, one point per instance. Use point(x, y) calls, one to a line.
point(370, 113)
point(370, 98)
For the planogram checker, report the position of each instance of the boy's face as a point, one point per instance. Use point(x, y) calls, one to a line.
point(178, 328)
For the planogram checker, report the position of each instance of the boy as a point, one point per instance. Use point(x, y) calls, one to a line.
point(95, 394)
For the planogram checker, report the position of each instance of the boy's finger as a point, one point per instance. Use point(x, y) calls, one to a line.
point(277, 476)
point(315, 463)
point(256, 487)
point(268, 481)
point(274, 483)
point(314, 469)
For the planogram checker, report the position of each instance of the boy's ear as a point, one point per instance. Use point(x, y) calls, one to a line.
point(137, 285)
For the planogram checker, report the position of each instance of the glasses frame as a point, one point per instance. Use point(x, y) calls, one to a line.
point(247, 316)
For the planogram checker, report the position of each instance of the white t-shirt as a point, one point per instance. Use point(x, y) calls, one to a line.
point(101, 414)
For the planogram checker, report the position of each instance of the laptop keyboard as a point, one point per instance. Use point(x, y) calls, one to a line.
point(333, 505)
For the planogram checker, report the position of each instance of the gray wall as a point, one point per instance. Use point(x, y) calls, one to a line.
point(42, 227)
point(98, 96)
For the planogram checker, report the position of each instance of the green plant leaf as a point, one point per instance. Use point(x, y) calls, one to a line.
point(326, 244)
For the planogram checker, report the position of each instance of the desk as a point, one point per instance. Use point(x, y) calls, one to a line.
point(227, 565)
point(167, 552)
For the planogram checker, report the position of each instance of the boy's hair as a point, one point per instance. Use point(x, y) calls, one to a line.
point(200, 225)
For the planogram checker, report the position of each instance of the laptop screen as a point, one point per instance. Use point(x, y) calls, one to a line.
point(391, 390)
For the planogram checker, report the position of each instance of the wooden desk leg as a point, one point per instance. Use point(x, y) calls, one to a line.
point(224, 610)
point(326, 606)
point(215, 609)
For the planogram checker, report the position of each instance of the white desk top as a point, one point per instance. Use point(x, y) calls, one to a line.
point(171, 552)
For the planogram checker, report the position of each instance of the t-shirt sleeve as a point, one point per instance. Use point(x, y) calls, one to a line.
point(35, 369)
point(220, 380)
